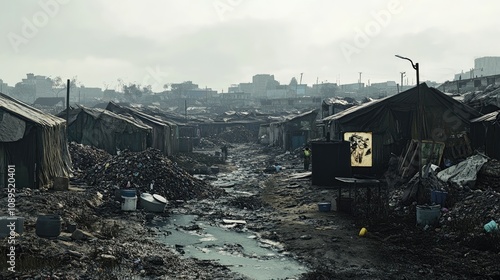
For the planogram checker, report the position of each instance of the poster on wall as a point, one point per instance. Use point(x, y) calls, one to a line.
point(361, 148)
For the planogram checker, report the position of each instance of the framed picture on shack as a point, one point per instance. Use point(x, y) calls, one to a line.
point(432, 151)
point(361, 148)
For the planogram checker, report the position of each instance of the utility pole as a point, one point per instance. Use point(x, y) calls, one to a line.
point(402, 75)
point(317, 86)
point(67, 106)
point(420, 116)
point(360, 80)
point(301, 78)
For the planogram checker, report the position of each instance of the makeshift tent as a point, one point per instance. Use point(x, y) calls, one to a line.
point(485, 134)
point(164, 134)
point(392, 122)
point(292, 133)
point(106, 130)
point(32, 141)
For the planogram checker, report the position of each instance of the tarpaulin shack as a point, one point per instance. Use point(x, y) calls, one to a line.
point(33, 142)
point(164, 134)
point(291, 133)
point(106, 130)
point(382, 126)
point(485, 134)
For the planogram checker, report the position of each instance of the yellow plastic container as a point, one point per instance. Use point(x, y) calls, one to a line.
point(362, 232)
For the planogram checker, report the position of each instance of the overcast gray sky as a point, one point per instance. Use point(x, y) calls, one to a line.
point(216, 43)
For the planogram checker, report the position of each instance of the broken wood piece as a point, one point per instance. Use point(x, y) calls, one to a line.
point(227, 221)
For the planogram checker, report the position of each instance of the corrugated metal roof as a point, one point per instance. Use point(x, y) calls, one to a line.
point(27, 112)
point(487, 118)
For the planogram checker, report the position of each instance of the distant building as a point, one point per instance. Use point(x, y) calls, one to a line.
point(4, 87)
point(242, 87)
point(42, 84)
point(262, 83)
point(324, 89)
point(83, 94)
point(235, 95)
point(483, 66)
point(352, 87)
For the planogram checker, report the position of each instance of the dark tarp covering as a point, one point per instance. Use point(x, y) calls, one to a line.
point(164, 134)
point(392, 120)
point(293, 132)
point(42, 152)
point(106, 130)
point(485, 134)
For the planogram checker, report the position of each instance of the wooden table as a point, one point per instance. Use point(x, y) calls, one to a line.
point(354, 184)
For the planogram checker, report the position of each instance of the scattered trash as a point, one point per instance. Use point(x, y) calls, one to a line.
point(363, 232)
point(491, 226)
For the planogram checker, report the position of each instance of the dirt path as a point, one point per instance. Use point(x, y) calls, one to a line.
point(328, 242)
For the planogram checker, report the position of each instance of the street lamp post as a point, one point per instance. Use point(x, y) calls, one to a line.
point(402, 75)
point(419, 116)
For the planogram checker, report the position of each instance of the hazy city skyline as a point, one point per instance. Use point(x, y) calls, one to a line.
point(223, 42)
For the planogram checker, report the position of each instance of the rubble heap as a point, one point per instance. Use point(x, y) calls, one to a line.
point(489, 175)
point(467, 217)
point(85, 157)
point(149, 167)
point(238, 135)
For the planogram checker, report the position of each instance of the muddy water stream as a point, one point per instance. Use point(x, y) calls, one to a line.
point(242, 252)
point(231, 244)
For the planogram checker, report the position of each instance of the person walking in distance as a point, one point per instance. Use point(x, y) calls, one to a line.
point(307, 158)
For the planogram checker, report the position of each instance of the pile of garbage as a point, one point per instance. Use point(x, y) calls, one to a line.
point(489, 175)
point(149, 171)
point(85, 157)
point(477, 209)
point(238, 134)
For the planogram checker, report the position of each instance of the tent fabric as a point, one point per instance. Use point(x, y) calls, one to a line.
point(106, 130)
point(164, 134)
point(485, 134)
point(393, 120)
point(42, 153)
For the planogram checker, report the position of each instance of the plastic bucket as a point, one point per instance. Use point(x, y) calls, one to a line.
point(48, 226)
point(5, 221)
point(428, 215)
point(128, 192)
point(324, 207)
point(438, 197)
point(129, 203)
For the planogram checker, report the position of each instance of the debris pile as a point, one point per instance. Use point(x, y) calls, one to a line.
point(238, 134)
point(85, 157)
point(489, 175)
point(247, 202)
point(146, 169)
point(471, 213)
point(191, 161)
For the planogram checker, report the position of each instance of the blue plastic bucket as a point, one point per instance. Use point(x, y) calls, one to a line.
point(428, 215)
point(438, 197)
point(128, 192)
point(324, 207)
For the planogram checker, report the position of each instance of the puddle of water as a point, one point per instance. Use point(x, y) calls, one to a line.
point(241, 252)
